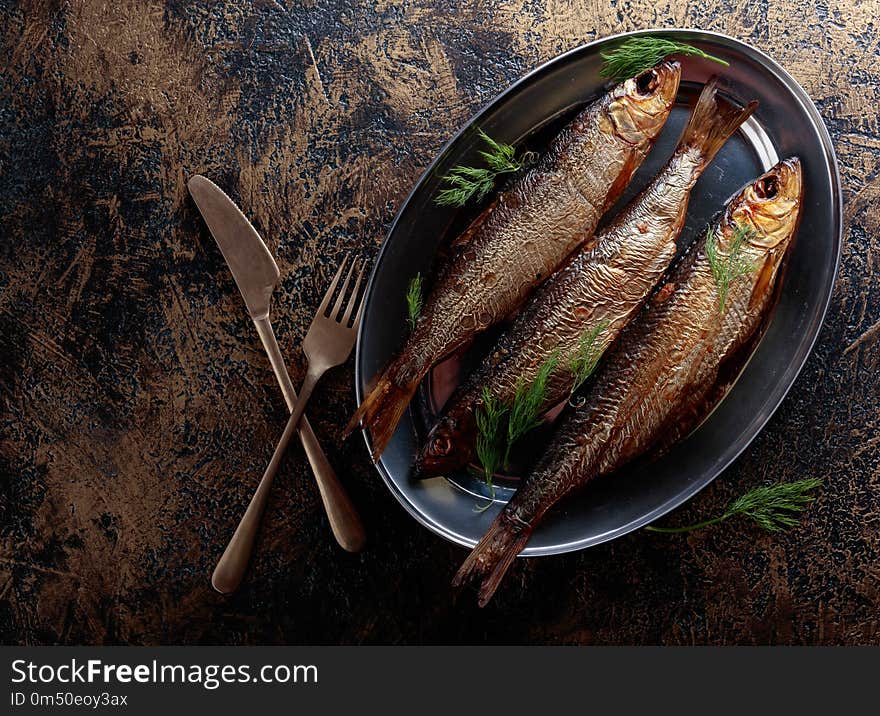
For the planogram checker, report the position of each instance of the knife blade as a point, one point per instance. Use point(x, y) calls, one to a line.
point(253, 268)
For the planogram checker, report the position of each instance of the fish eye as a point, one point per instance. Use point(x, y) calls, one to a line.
point(647, 82)
point(441, 446)
point(767, 188)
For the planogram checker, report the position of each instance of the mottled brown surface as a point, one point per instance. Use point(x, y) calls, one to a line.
point(138, 406)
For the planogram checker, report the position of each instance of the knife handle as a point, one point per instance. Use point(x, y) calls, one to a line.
point(344, 519)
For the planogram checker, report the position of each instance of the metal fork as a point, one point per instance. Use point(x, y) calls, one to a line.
point(328, 343)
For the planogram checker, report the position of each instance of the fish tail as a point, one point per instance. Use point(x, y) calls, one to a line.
point(381, 410)
point(494, 554)
point(714, 120)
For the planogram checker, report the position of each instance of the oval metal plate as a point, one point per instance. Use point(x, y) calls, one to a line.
point(786, 123)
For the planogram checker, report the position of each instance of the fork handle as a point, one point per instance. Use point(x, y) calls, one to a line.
point(305, 392)
point(343, 517)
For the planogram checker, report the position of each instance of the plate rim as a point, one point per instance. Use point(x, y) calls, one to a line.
point(688, 493)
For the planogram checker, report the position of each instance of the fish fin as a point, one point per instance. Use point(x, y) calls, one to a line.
point(492, 557)
point(466, 236)
point(381, 410)
point(632, 162)
point(765, 278)
point(713, 121)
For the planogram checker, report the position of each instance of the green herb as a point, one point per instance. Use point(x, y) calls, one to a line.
point(466, 183)
point(497, 436)
point(772, 507)
point(525, 414)
point(414, 300)
point(727, 269)
point(587, 357)
point(489, 418)
point(639, 53)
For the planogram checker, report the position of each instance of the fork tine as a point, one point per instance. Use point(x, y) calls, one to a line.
point(354, 296)
point(322, 309)
point(337, 307)
point(357, 316)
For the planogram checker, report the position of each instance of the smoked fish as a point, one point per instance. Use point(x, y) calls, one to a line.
point(525, 234)
point(594, 295)
point(656, 382)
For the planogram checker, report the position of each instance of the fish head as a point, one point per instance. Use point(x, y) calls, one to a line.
point(769, 210)
point(445, 448)
point(640, 106)
point(770, 206)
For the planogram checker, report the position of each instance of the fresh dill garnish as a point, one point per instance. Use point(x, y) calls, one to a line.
point(466, 183)
point(414, 300)
point(587, 357)
point(495, 435)
point(727, 269)
point(772, 507)
point(525, 413)
point(489, 417)
point(639, 53)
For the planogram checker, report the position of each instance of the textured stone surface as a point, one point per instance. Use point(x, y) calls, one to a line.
point(138, 407)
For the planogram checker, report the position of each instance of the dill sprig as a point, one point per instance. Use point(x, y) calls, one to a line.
point(489, 419)
point(639, 53)
point(774, 508)
point(587, 357)
point(525, 413)
point(414, 300)
point(466, 183)
point(728, 268)
point(499, 426)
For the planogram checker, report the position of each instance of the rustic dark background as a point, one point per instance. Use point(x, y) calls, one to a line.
point(137, 404)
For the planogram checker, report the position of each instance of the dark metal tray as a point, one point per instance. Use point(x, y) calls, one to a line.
point(786, 123)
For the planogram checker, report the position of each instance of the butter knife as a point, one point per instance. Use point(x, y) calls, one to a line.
point(256, 274)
